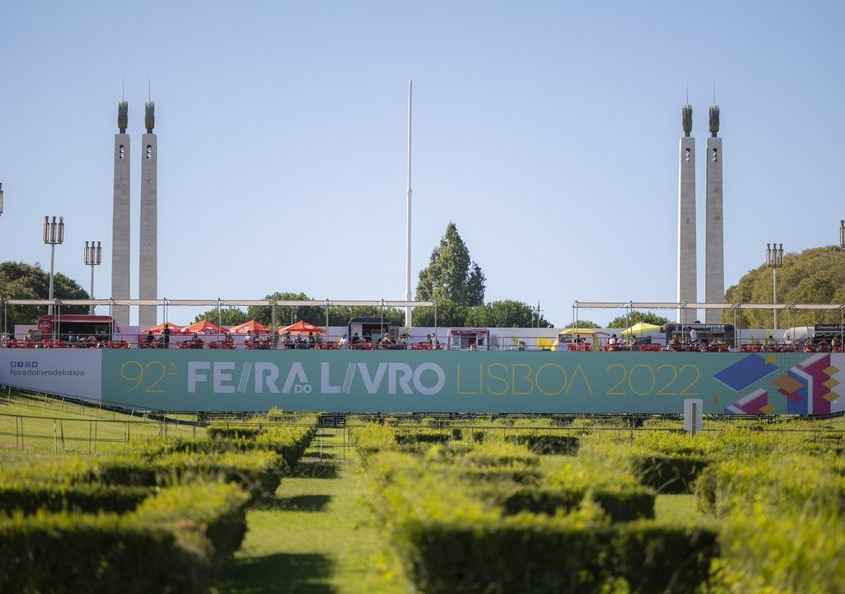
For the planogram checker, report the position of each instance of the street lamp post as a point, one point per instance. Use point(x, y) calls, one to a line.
point(54, 233)
point(774, 260)
point(93, 255)
point(1, 198)
point(841, 247)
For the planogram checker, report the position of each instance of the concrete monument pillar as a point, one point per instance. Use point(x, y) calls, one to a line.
point(121, 218)
point(148, 262)
point(714, 235)
point(687, 263)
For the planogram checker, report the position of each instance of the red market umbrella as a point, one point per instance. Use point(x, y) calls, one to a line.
point(251, 326)
point(302, 327)
point(203, 327)
point(159, 328)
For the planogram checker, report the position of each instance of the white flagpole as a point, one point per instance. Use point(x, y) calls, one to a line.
point(408, 231)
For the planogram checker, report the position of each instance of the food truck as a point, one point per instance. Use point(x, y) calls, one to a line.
point(77, 328)
point(468, 339)
point(371, 330)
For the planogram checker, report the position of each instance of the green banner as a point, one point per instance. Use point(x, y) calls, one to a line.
point(472, 382)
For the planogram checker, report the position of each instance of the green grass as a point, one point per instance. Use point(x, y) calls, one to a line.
point(318, 536)
point(42, 424)
point(676, 508)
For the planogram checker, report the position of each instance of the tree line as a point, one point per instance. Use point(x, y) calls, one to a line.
point(457, 284)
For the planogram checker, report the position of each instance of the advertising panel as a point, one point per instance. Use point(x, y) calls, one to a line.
point(477, 382)
point(64, 372)
point(434, 381)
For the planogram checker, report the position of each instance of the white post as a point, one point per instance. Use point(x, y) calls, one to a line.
point(408, 208)
point(693, 408)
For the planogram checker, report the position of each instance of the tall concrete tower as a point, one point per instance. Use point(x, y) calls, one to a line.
point(714, 250)
point(120, 218)
point(148, 266)
point(687, 288)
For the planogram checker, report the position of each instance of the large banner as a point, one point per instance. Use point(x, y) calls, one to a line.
point(435, 381)
point(63, 372)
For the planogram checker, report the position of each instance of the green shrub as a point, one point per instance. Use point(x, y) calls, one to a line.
point(28, 498)
point(198, 511)
point(95, 554)
point(669, 473)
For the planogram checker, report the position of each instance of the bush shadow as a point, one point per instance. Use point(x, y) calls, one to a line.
point(277, 574)
point(315, 469)
point(302, 503)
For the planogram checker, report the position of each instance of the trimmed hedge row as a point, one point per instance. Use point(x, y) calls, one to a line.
point(538, 555)
point(669, 473)
point(29, 497)
point(620, 505)
point(494, 519)
point(213, 511)
point(260, 472)
point(168, 545)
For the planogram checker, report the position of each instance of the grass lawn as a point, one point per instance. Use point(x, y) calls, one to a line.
point(41, 424)
point(317, 536)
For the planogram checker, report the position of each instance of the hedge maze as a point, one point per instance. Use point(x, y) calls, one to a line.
point(526, 506)
point(154, 518)
point(488, 506)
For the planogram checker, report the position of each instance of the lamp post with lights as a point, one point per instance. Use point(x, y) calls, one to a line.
point(774, 260)
point(54, 234)
point(93, 255)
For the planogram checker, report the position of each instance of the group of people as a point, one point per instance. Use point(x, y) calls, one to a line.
point(299, 342)
point(385, 342)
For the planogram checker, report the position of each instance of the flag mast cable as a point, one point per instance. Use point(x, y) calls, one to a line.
point(408, 208)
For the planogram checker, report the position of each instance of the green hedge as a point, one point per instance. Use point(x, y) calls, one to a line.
point(669, 473)
point(29, 497)
point(258, 471)
point(95, 554)
point(169, 544)
point(620, 505)
point(213, 511)
point(532, 556)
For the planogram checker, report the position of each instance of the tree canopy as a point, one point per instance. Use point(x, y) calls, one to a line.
point(451, 274)
point(635, 317)
point(25, 281)
point(816, 275)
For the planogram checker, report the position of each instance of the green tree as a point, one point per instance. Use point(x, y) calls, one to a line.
point(226, 316)
point(814, 276)
point(635, 317)
point(287, 315)
point(451, 274)
point(25, 281)
point(582, 324)
point(340, 315)
point(505, 314)
point(447, 314)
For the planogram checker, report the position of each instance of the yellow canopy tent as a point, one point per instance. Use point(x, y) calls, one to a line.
point(590, 335)
point(641, 328)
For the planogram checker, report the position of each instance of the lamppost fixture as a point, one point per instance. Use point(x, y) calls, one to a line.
point(774, 260)
point(1, 198)
point(841, 247)
point(54, 234)
point(93, 255)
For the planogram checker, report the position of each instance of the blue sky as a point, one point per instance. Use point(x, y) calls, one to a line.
point(546, 131)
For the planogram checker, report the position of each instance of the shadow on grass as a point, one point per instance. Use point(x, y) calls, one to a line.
point(277, 574)
point(303, 503)
point(315, 469)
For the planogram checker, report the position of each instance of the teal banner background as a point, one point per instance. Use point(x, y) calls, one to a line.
point(472, 382)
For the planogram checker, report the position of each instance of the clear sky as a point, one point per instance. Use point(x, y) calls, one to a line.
point(547, 131)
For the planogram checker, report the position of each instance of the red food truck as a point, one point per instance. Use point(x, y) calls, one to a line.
point(79, 330)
